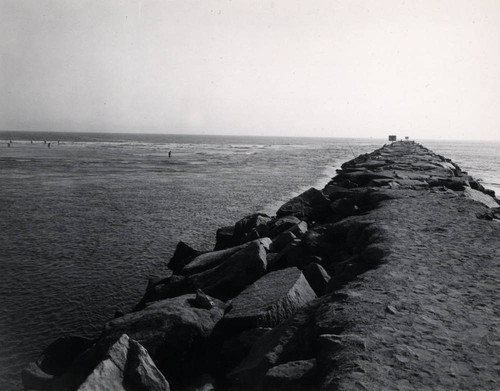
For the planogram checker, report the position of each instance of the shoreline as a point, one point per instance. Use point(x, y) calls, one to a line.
point(290, 301)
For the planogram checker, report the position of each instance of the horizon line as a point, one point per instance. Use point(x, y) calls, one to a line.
point(245, 135)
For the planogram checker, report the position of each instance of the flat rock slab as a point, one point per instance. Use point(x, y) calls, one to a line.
point(269, 300)
point(478, 196)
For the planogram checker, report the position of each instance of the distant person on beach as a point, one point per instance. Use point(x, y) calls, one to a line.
point(45, 141)
point(169, 153)
point(57, 142)
point(8, 145)
point(31, 141)
point(48, 145)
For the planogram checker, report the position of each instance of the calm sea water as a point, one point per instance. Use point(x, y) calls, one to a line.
point(83, 224)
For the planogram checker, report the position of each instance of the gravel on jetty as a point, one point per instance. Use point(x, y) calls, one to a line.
point(387, 279)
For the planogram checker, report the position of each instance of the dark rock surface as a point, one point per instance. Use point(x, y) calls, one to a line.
point(183, 254)
point(311, 205)
point(385, 279)
point(211, 259)
point(173, 331)
point(317, 277)
point(269, 300)
point(54, 361)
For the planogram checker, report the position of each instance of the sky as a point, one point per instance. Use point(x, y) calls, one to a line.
point(427, 69)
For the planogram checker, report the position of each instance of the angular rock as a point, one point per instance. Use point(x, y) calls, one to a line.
point(224, 238)
point(126, 366)
point(282, 240)
point(281, 225)
point(293, 375)
point(209, 260)
point(230, 277)
point(312, 204)
point(481, 197)
point(317, 277)
point(141, 372)
point(174, 333)
point(182, 255)
point(172, 286)
point(363, 177)
point(202, 301)
point(452, 183)
point(298, 229)
point(256, 223)
point(289, 341)
point(269, 300)
point(280, 260)
point(235, 348)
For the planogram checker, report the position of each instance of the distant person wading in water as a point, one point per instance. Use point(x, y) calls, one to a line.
point(169, 154)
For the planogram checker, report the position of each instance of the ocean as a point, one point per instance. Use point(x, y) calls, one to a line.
point(86, 222)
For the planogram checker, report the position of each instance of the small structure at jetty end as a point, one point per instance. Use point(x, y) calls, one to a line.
point(392, 137)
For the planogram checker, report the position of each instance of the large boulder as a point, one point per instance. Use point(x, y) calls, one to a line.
point(251, 227)
point(126, 366)
point(282, 240)
point(452, 183)
point(54, 361)
point(183, 254)
point(224, 238)
point(230, 277)
point(292, 340)
point(172, 286)
point(481, 197)
point(209, 260)
point(311, 205)
point(269, 300)
point(281, 225)
point(173, 331)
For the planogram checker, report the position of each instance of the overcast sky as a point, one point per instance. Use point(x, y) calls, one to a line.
point(426, 69)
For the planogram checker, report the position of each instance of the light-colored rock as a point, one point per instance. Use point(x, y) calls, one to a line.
point(209, 260)
point(293, 375)
point(126, 366)
point(269, 300)
point(479, 196)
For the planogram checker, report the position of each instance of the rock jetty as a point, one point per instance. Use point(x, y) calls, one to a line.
point(386, 279)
